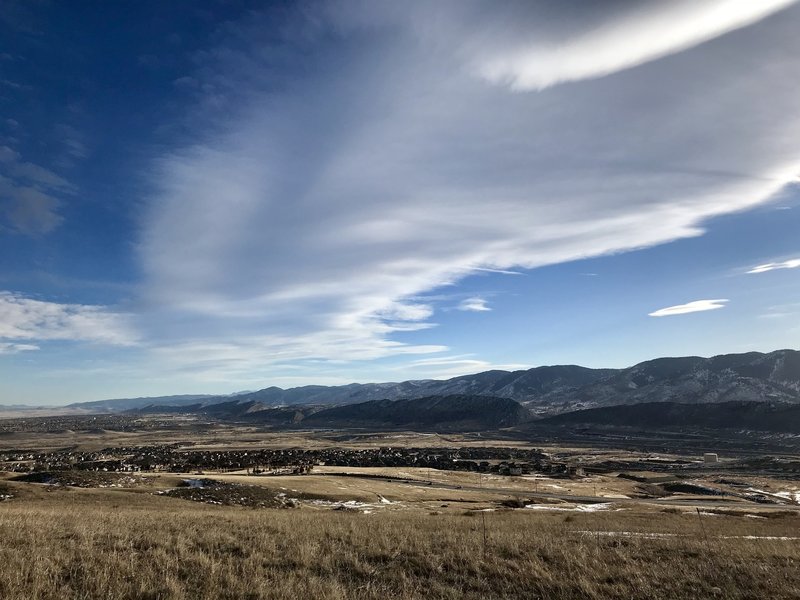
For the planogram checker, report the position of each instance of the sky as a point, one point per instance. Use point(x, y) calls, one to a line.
point(209, 197)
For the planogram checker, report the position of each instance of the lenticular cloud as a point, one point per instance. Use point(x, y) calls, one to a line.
point(786, 264)
point(689, 307)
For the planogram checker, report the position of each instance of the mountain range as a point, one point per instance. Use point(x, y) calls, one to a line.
point(547, 390)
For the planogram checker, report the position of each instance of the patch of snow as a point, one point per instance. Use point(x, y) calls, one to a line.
point(353, 504)
point(323, 502)
point(575, 508)
point(336, 503)
point(779, 495)
point(760, 537)
point(790, 495)
point(671, 535)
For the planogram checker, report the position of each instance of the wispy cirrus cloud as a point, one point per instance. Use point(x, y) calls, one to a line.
point(372, 161)
point(29, 194)
point(690, 307)
point(781, 311)
point(442, 367)
point(23, 318)
point(773, 266)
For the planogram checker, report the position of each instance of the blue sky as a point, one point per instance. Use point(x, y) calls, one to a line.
point(219, 196)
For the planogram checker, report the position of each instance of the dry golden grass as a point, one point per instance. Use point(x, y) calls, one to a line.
point(218, 436)
point(114, 545)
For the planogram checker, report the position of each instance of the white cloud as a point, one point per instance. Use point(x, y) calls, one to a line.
point(647, 32)
point(24, 318)
point(500, 271)
point(408, 312)
point(690, 307)
point(786, 264)
point(474, 304)
point(445, 367)
point(260, 358)
point(7, 348)
point(302, 223)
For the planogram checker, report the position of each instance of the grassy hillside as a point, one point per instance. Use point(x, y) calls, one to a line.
point(90, 549)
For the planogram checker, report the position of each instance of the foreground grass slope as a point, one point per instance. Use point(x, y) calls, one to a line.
point(94, 548)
